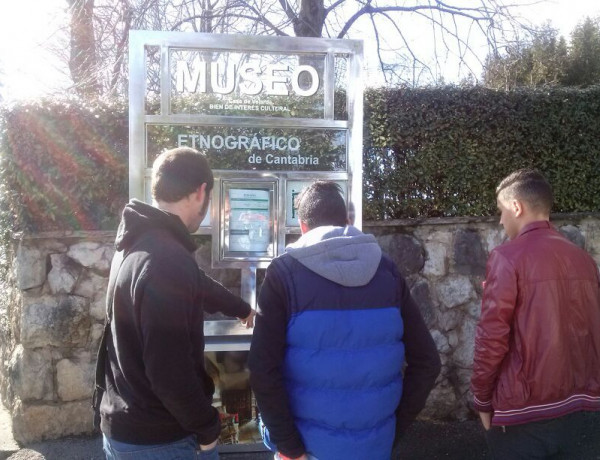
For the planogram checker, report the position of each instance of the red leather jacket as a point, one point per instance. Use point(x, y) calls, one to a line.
point(537, 345)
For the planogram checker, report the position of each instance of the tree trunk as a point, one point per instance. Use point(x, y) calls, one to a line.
point(83, 60)
point(311, 19)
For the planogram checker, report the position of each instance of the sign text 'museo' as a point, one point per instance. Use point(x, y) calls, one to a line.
point(275, 79)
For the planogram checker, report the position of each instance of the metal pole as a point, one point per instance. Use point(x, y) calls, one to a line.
point(248, 287)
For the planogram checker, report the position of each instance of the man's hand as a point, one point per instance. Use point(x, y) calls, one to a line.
point(486, 420)
point(210, 446)
point(248, 321)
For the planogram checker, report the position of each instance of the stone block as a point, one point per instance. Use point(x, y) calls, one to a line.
point(89, 254)
point(443, 237)
point(455, 290)
point(93, 286)
point(445, 360)
point(493, 238)
point(590, 230)
point(473, 309)
point(98, 309)
point(449, 319)
point(61, 321)
point(63, 275)
point(464, 382)
point(422, 297)
point(441, 402)
point(405, 250)
point(75, 377)
point(30, 267)
point(441, 342)
point(435, 263)
point(463, 353)
point(37, 422)
point(453, 338)
point(469, 255)
point(31, 374)
point(95, 336)
point(573, 234)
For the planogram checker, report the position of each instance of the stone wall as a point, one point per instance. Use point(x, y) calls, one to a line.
point(52, 311)
point(54, 322)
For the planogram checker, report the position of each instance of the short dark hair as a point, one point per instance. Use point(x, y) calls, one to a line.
point(178, 172)
point(530, 186)
point(322, 203)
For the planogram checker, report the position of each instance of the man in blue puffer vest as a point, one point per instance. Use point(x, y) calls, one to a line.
point(341, 361)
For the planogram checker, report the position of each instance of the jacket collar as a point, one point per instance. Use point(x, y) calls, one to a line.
point(544, 224)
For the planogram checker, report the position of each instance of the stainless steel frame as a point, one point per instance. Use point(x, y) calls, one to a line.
point(139, 172)
point(220, 256)
point(226, 333)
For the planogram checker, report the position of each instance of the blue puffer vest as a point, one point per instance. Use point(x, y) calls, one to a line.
point(343, 365)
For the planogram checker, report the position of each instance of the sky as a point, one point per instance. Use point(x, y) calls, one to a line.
point(28, 69)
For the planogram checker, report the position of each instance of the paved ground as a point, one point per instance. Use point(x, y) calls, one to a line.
point(425, 440)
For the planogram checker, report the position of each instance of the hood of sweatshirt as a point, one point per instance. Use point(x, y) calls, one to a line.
point(139, 217)
point(343, 255)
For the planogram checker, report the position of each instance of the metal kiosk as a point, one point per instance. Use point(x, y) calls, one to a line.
point(272, 114)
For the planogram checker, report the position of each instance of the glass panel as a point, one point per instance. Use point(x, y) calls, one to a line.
point(246, 84)
point(233, 396)
point(292, 190)
point(152, 80)
point(249, 215)
point(341, 87)
point(260, 149)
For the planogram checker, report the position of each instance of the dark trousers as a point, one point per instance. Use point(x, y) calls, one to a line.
point(547, 439)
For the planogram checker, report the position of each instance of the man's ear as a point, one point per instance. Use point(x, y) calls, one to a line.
point(516, 207)
point(201, 193)
point(303, 227)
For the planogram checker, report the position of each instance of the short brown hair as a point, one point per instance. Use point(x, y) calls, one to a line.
point(322, 203)
point(178, 172)
point(530, 186)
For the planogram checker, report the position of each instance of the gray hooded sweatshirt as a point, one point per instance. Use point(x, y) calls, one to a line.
point(343, 255)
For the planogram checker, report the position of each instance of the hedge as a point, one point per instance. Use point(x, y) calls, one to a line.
point(442, 151)
point(427, 152)
point(63, 165)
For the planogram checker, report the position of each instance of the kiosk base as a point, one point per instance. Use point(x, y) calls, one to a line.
point(234, 399)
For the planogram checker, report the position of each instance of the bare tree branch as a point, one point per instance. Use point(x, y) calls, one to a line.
point(121, 46)
point(369, 9)
point(287, 9)
point(454, 29)
point(415, 59)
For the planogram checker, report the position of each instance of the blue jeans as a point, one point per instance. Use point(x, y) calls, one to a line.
point(264, 432)
point(184, 449)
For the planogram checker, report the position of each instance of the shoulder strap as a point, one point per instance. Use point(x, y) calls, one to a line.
point(100, 380)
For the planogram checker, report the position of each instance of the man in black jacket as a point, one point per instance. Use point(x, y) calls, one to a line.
point(158, 396)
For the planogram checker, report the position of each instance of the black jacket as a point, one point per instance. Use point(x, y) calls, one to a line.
point(157, 387)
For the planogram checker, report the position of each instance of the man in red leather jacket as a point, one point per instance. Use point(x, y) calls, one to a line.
point(537, 347)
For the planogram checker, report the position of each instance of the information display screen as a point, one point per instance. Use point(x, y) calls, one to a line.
point(247, 226)
point(249, 220)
